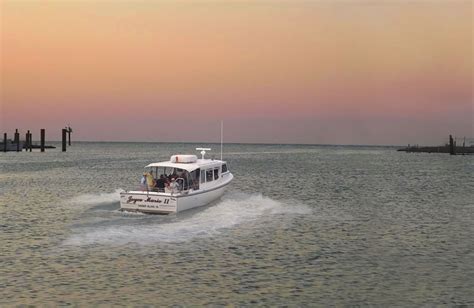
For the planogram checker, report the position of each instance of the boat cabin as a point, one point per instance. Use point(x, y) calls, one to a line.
point(183, 174)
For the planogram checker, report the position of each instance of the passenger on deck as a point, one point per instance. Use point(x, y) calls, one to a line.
point(174, 187)
point(160, 183)
point(150, 181)
point(143, 181)
point(172, 175)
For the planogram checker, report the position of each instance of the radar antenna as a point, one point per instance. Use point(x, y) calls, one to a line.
point(203, 151)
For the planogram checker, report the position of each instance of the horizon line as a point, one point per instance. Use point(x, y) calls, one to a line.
point(248, 143)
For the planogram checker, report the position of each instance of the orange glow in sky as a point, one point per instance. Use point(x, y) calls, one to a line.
point(352, 72)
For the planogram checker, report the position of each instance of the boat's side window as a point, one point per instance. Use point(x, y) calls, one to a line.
point(208, 175)
point(216, 173)
point(194, 179)
point(203, 177)
point(224, 168)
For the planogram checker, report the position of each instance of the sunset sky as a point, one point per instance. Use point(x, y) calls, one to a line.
point(338, 72)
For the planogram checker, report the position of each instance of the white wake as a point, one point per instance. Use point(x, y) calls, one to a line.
point(96, 199)
point(230, 212)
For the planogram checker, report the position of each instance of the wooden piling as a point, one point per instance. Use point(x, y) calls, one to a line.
point(17, 140)
point(452, 150)
point(64, 131)
point(69, 131)
point(27, 140)
point(30, 141)
point(43, 133)
point(4, 142)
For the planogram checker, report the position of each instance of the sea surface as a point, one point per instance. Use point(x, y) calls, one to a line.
point(299, 226)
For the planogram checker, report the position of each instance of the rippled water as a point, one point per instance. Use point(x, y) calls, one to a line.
point(300, 225)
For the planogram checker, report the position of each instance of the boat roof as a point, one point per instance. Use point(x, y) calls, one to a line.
point(188, 166)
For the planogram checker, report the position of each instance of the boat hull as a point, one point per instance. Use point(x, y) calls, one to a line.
point(164, 203)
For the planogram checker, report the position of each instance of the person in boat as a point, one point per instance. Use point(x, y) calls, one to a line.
point(161, 183)
point(150, 181)
point(143, 181)
point(172, 175)
point(174, 186)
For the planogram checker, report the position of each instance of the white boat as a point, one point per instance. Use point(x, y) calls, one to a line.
point(184, 182)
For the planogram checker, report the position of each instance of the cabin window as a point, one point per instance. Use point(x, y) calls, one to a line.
point(203, 177)
point(224, 168)
point(194, 181)
point(208, 175)
point(168, 171)
point(216, 173)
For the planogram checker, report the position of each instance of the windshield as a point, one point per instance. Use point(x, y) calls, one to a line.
point(166, 177)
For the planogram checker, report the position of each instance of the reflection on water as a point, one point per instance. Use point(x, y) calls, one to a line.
point(300, 225)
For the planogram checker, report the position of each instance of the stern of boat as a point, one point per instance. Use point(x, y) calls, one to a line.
point(138, 201)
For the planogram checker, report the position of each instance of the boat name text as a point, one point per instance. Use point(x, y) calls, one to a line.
point(132, 200)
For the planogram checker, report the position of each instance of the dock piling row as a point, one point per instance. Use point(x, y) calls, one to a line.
point(17, 145)
point(449, 147)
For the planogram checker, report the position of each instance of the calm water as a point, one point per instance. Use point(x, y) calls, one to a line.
point(300, 225)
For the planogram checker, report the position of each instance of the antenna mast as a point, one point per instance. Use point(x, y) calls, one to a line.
point(222, 135)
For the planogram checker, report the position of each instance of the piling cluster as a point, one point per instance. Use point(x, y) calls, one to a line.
point(451, 147)
point(27, 144)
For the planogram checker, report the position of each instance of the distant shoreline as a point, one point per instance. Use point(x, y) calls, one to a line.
point(237, 143)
